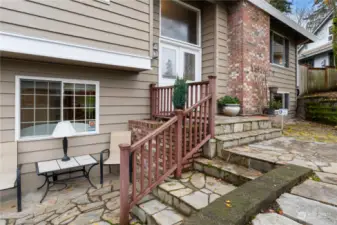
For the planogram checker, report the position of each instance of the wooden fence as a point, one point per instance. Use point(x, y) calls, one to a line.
point(313, 80)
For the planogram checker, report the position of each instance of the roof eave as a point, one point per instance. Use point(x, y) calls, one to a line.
point(265, 6)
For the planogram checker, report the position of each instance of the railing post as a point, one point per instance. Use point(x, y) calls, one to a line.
point(178, 142)
point(152, 101)
point(212, 106)
point(124, 179)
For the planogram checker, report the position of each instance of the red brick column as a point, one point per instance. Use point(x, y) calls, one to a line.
point(249, 52)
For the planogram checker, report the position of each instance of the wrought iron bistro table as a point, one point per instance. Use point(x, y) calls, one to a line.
point(53, 168)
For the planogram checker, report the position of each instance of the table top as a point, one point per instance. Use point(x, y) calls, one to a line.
point(58, 164)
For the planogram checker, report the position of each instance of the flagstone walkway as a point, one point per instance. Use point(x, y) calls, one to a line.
point(78, 204)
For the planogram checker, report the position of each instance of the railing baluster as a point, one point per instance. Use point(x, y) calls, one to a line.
point(195, 127)
point(184, 136)
point(157, 155)
point(191, 96)
point(134, 174)
point(200, 123)
point(164, 153)
point(170, 150)
point(166, 101)
point(190, 136)
point(205, 119)
point(149, 163)
point(196, 93)
point(142, 168)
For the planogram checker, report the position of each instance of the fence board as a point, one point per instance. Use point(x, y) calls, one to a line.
point(317, 79)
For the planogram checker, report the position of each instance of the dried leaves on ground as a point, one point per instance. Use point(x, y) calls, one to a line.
point(311, 131)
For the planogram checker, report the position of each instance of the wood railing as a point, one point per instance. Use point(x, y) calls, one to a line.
point(161, 98)
point(166, 150)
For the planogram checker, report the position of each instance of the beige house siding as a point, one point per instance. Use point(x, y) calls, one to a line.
point(124, 96)
point(122, 26)
point(222, 49)
point(285, 78)
point(214, 45)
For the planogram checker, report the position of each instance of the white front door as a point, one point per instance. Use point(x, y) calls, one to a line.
point(178, 61)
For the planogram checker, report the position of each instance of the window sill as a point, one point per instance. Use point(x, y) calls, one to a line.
point(42, 138)
point(279, 66)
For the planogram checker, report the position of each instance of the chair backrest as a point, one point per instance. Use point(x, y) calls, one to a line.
point(121, 137)
point(8, 157)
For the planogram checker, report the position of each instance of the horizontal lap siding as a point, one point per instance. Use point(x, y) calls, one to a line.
point(222, 49)
point(285, 78)
point(120, 26)
point(124, 96)
point(208, 41)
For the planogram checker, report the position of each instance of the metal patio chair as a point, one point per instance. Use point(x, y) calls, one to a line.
point(10, 175)
point(122, 137)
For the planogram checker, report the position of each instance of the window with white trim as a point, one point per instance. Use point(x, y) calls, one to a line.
point(279, 50)
point(45, 102)
point(284, 98)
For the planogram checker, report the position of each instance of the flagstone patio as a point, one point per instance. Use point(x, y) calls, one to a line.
point(78, 204)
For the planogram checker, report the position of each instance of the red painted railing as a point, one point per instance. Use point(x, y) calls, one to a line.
point(166, 150)
point(161, 98)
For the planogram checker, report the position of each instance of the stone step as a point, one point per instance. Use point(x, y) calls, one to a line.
point(192, 192)
point(243, 138)
point(153, 212)
point(272, 219)
point(318, 191)
point(248, 157)
point(307, 211)
point(229, 125)
point(228, 172)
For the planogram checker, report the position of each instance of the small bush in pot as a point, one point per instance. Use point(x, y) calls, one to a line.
point(274, 105)
point(179, 93)
point(230, 105)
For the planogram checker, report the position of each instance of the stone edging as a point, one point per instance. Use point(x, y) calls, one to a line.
point(247, 200)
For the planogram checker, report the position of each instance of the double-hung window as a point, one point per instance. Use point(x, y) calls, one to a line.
point(279, 50)
point(41, 103)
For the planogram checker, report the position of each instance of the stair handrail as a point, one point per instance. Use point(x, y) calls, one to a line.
point(201, 114)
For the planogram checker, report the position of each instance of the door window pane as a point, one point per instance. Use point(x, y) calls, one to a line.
point(41, 87)
point(189, 66)
point(179, 22)
point(168, 63)
point(41, 101)
point(27, 87)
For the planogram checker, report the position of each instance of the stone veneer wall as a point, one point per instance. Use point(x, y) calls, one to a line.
point(249, 52)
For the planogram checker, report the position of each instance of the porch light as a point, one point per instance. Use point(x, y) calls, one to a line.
point(64, 129)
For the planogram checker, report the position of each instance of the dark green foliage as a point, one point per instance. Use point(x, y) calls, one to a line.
point(282, 5)
point(228, 100)
point(322, 111)
point(179, 93)
point(275, 104)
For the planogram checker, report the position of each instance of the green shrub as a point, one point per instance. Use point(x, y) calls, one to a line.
point(228, 100)
point(179, 93)
point(275, 104)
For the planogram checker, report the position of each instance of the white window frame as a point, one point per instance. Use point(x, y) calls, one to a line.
point(283, 93)
point(284, 53)
point(183, 43)
point(18, 78)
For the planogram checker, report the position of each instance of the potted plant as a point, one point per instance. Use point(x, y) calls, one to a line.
point(230, 105)
point(180, 89)
point(274, 105)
